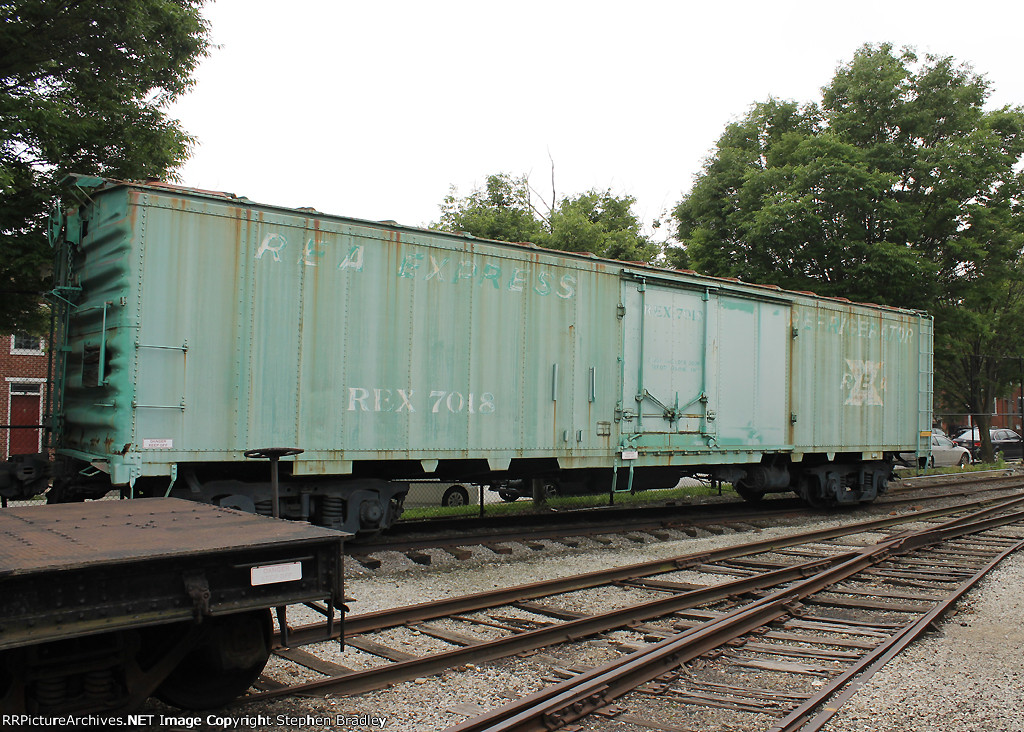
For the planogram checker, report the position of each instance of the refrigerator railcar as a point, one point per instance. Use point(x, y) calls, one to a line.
point(202, 325)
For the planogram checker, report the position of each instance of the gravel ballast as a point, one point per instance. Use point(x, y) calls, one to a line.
point(968, 676)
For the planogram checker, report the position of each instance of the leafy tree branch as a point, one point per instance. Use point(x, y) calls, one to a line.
point(82, 89)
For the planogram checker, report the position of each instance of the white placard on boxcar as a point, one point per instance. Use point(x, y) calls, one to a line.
point(150, 443)
point(271, 574)
point(630, 454)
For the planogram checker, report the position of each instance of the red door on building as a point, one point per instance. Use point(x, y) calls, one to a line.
point(24, 411)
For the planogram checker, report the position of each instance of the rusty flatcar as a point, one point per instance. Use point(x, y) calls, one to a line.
point(107, 603)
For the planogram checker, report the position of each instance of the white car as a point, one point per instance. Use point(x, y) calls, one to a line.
point(944, 454)
point(423, 494)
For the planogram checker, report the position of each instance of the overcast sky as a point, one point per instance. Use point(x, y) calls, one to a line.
point(374, 109)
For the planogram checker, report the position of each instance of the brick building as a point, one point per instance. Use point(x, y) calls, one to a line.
point(1008, 412)
point(23, 364)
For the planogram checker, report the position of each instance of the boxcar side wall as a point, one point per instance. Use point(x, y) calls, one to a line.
point(855, 378)
point(352, 342)
point(208, 326)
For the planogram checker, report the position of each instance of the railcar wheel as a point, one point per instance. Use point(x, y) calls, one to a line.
point(816, 501)
point(226, 661)
point(810, 490)
point(455, 496)
point(60, 492)
point(747, 493)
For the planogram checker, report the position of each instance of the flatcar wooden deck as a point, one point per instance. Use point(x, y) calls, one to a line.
point(84, 568)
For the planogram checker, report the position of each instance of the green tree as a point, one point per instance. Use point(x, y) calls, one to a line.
point(603, 224)
point(501, 210)
point(82, 89)
point(898, 188)
point(980, 322)
point(504, 210)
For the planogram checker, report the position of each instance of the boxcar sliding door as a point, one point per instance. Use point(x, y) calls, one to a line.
point(703, 367)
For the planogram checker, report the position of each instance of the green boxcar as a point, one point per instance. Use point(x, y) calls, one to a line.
point(201, 325)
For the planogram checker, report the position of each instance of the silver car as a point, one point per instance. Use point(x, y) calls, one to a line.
point(945, 454)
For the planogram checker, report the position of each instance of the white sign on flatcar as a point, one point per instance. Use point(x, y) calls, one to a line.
point(271, 574)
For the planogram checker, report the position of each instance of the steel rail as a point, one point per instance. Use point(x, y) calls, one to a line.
point(800, 718)
point(361, 552)
point(419, 612)
point(571, 630)
point(378, 677)
point(573, 699)
point(632, 519)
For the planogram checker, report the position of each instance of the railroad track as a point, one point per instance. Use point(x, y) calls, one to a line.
point(655, 604)
point(454, 536)
point(803, 628)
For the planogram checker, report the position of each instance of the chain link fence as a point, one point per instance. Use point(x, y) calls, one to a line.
point(437, 499)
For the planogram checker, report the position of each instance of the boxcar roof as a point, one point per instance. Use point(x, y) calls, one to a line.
point(731, 282)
